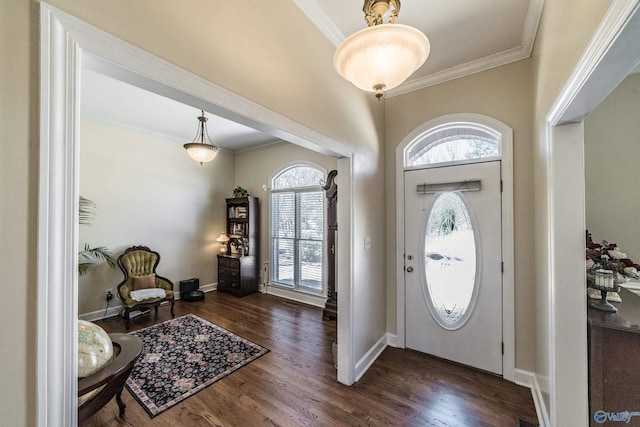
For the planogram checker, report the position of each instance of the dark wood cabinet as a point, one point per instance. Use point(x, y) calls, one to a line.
point(614, 346)
point(238, 272)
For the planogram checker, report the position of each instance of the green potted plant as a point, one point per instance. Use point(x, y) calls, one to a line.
point(89, 257)
point(240, 192)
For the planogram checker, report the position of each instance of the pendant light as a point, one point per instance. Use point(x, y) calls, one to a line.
point(382, 56)
point(200, 150)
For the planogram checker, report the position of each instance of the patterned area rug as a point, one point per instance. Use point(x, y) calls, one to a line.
point(182, 356)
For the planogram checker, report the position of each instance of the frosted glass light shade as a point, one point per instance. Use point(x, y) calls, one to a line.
point(202, 153)
point(381, 57)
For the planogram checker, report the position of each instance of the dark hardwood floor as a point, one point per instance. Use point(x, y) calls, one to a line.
point(295, 383)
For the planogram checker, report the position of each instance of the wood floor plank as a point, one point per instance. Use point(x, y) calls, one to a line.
point(295, 383)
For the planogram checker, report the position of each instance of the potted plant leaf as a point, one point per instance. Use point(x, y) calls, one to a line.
point(89, 257)
point(240, 192)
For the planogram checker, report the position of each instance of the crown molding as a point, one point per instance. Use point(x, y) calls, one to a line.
point(321, 20)
point(523, 51)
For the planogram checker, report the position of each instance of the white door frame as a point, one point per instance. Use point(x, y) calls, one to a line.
point(613, 52)
point(65, 44)
point(506, 169)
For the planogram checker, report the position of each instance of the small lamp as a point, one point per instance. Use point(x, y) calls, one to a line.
point(224, 239)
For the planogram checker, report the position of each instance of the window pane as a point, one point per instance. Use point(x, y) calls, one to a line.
point(453, 143)
point(283, 262)
point(297, 229)
point(298, 177)
point(450, 259)
point(311, 264)
point(310, 215)
point(283, 214)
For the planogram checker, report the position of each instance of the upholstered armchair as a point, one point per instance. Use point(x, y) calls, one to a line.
point(142, 287)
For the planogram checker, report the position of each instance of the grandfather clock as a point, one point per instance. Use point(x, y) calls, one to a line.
point(330, 311)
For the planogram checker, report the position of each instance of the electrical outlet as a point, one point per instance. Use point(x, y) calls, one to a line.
point(109, 295)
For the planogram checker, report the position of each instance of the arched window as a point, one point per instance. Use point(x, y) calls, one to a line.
point(453, 142)
point(297, 229)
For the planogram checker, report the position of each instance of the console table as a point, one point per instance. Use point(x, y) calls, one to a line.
point(614, 358)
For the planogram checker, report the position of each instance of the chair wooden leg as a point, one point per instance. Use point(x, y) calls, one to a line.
point(172, 302)
point(127, 318)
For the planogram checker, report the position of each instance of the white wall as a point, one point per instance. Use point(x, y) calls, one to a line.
point(149, 192)
point(612, 168)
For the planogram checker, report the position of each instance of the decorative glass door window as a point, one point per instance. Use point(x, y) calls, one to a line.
point(454, 142)
point(450, 260)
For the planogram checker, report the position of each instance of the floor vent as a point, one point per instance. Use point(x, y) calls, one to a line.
point(291, 304)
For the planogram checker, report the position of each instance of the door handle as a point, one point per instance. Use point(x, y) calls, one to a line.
point(409, 269)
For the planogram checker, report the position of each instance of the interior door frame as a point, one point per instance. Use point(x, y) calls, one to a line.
point(609, 57)
point(506, 171)
point(65, 43)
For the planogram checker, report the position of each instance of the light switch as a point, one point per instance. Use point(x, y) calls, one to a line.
point(367, 243)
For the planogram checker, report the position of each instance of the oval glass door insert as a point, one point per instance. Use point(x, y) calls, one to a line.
point(450, 260)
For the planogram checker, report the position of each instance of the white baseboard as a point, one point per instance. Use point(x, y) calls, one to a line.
point(530, 380)
point(392, 340)
point(112, 311)
point(367, 360)
point(116, 309)
point(316, 301)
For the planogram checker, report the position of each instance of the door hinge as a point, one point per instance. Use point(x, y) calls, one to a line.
point(502, 266)
point(503, 348)
point(501, 186)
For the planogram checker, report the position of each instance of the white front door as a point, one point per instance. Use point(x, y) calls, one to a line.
point(453, 263)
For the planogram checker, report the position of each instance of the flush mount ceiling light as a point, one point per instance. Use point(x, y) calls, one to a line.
point(200, 150)
point(382, 56)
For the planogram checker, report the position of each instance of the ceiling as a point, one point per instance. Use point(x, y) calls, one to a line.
point(466, 37)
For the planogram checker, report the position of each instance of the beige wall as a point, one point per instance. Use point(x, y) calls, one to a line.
point(565, 30)
point(255, 168)
point(505, 94)
point(235, 45)
point(149, 192)
point(612, 168)
point(18, 211)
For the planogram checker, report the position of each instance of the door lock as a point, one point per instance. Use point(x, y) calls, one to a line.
point(409, 257)
point(409, 269)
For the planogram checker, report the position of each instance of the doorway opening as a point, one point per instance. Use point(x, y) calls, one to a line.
point(430, 146)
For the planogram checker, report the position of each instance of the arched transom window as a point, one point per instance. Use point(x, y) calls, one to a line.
point(453, 142)
point(297, 229)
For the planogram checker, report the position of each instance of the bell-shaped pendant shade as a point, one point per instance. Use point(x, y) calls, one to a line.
point(199, 150)
point(381, 57)
point(201, 153)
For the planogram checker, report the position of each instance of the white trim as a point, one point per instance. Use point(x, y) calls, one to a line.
point(320, 19)
point(326, 25)
point(64, 39)
point(609, 57)
point(57, 226)
point(506, 167)
point(392, 340)
point(92, 316)
point(314, 300)
point(114, 310)
point(346, 280)
point(529, 380)
point(370, 356)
